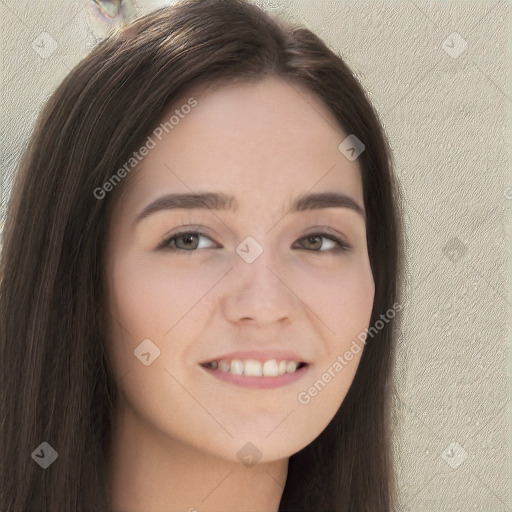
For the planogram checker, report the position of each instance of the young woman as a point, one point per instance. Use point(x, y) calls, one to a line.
point(200, 278)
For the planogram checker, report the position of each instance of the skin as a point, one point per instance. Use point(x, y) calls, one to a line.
point(178, 429)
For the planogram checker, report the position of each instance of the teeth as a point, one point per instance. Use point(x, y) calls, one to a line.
point(254, 368)
point(224, 365)
point(270, 368)
point(291, 366)
point(237, 367)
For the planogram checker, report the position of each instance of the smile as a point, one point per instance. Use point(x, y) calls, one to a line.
point(256, 374)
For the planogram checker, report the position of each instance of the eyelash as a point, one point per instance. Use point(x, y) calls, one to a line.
point(342, 246)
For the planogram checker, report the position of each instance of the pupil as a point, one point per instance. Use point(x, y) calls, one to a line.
point(312, 239)
point(188, 239)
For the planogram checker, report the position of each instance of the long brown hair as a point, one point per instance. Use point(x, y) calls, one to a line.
point(57, 385)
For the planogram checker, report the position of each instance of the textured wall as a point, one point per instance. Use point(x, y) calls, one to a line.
point(445, 102)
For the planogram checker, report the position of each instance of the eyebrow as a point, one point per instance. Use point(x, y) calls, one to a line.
point(220, 201)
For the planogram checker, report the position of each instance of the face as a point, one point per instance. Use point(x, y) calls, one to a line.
point(196, 291)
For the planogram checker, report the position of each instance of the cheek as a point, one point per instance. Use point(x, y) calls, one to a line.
point(151, 301)
point(343, 302)
point(342, 299)
point(354, 302)
point(150, 298)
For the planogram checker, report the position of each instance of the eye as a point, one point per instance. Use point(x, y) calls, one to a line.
point(187, 241)
point(337, 245)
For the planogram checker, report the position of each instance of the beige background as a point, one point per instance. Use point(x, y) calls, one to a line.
point(445, 102)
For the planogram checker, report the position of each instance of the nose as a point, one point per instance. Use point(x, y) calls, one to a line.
point(260, 292)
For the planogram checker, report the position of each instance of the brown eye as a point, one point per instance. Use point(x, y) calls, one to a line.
point(186, 241)
point(314, 242)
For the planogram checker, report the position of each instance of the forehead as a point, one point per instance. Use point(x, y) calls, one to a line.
point(265, 142)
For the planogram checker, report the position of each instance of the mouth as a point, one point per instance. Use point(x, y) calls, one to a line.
point(254, 367)
point(257, 373)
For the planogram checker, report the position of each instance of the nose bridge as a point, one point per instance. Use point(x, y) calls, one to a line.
point(259, 290)
point(256, 259)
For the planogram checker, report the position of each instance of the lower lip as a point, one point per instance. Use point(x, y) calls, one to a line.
point(259, 382)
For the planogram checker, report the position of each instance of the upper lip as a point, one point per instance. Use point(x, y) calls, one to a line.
point(259, 355)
